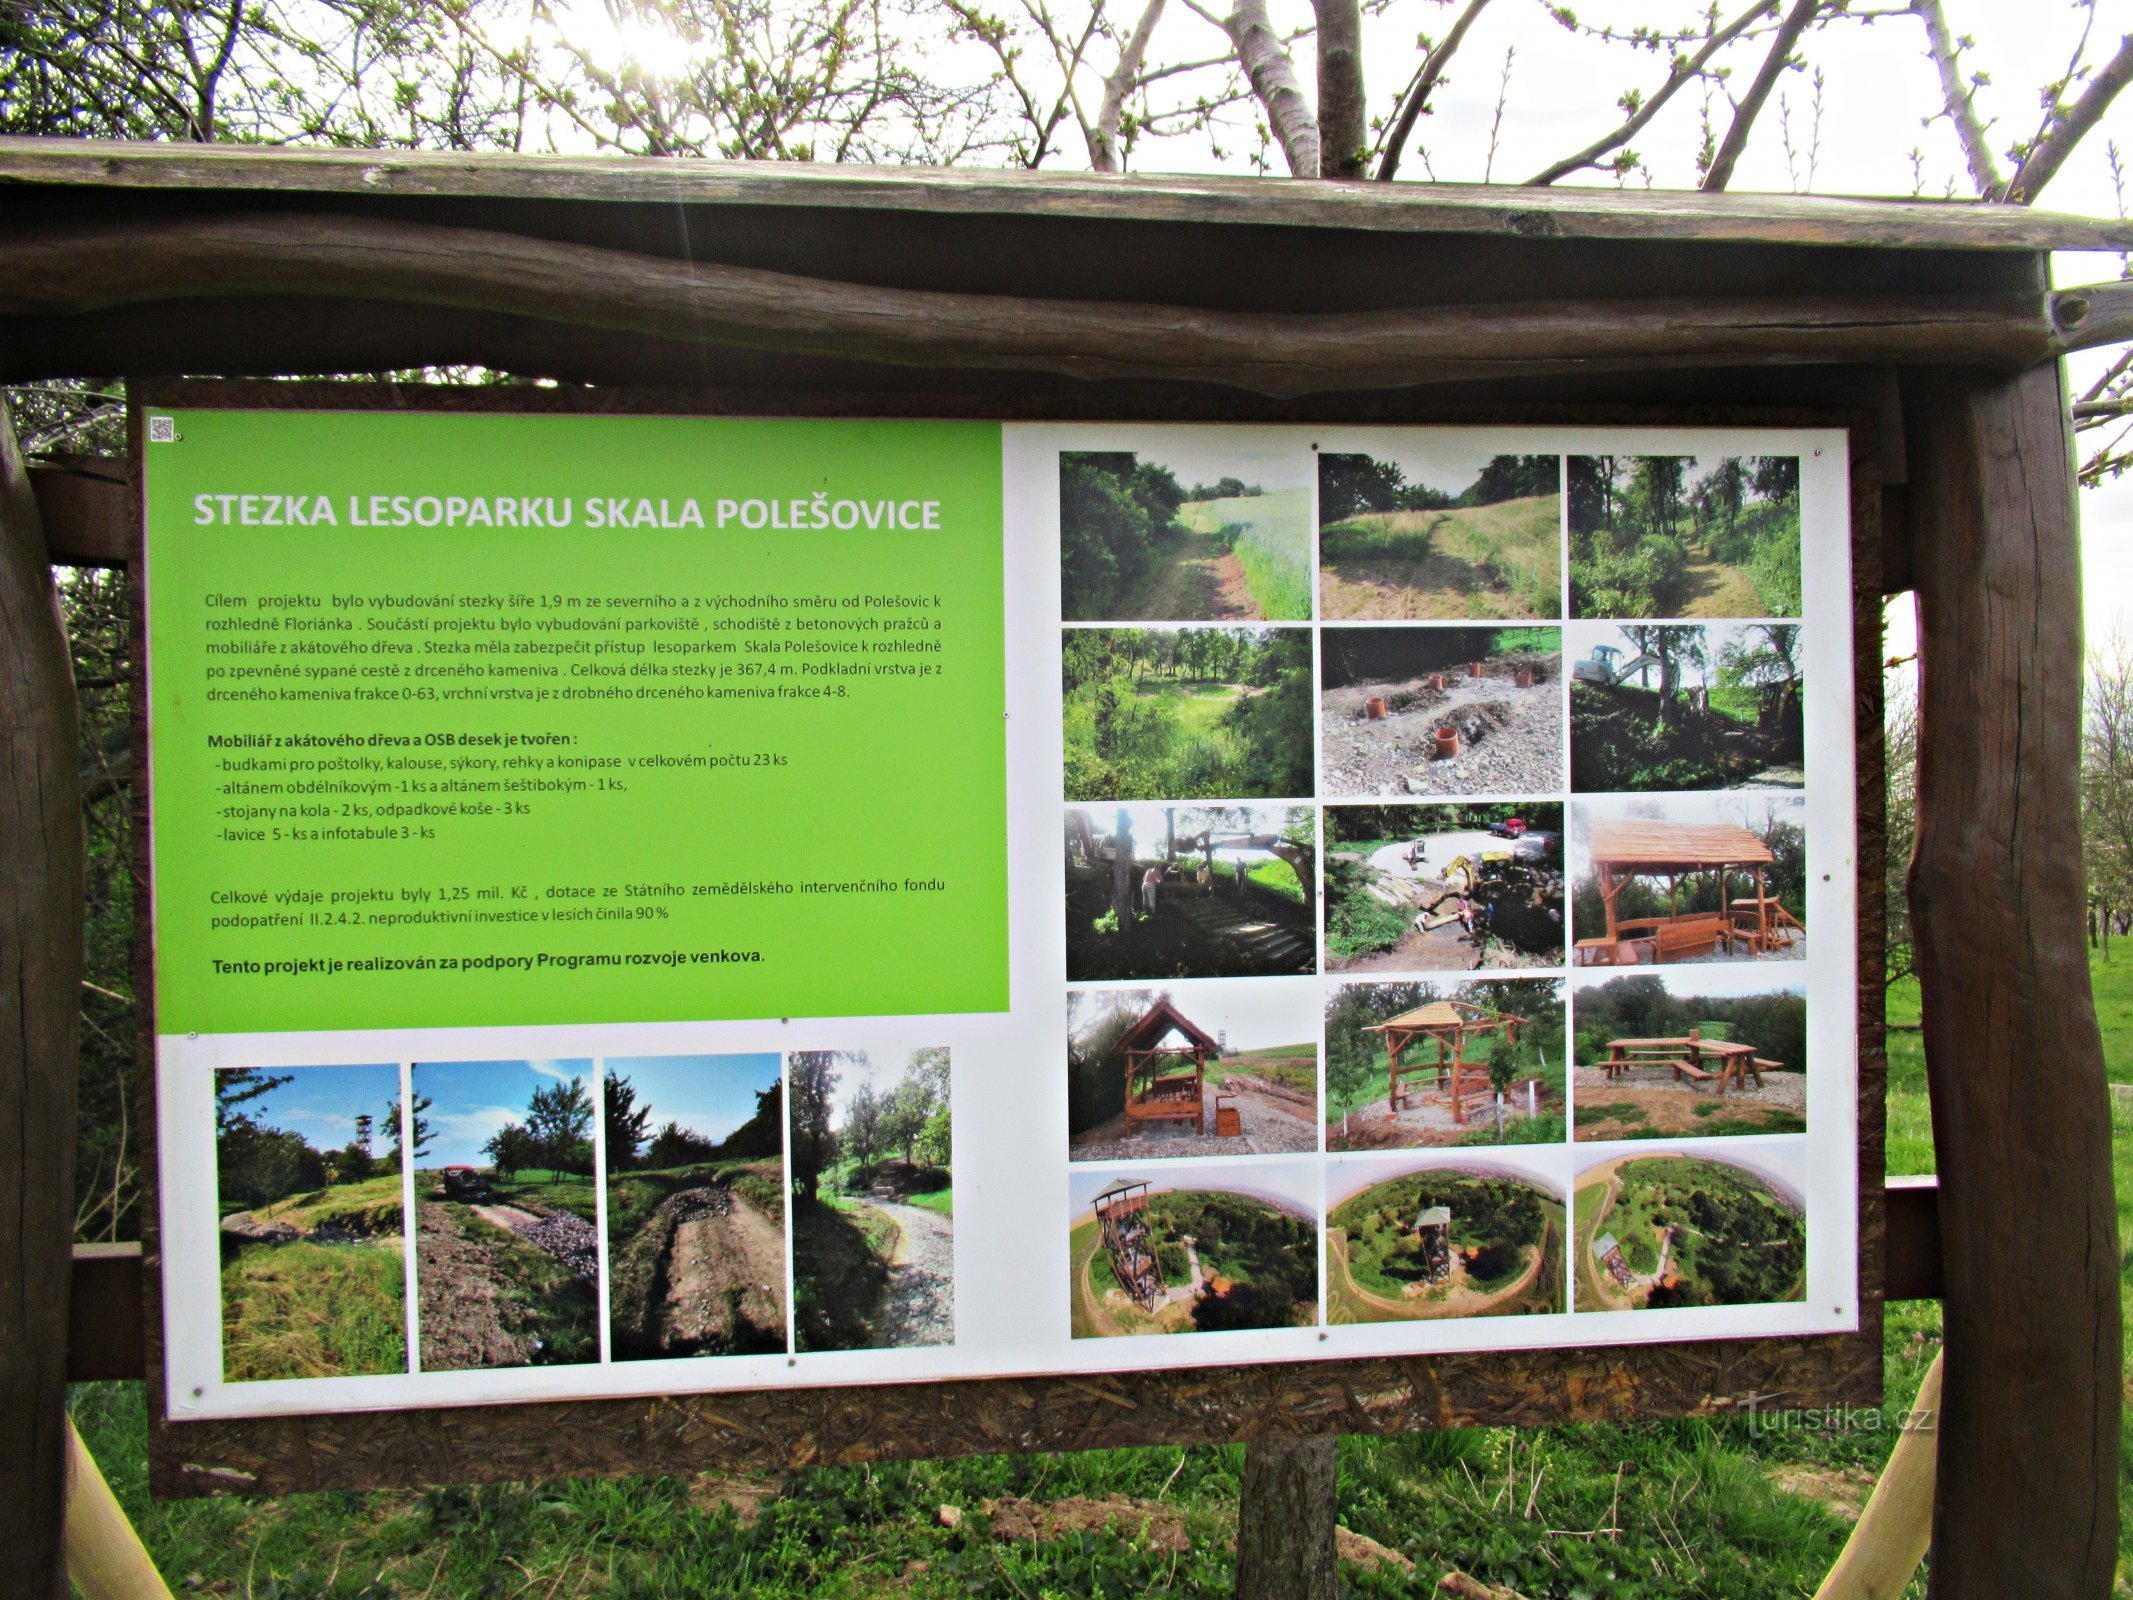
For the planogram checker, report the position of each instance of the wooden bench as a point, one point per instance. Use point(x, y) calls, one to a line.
point(1689, 1069)
point(1673, 940)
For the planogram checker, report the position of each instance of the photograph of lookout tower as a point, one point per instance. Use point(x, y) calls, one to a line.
point(1688, 879)
point(1188, 891)
point(1236, 1249)
point(1460, 1237)
point(1414, 1064)
point(1207, 1069)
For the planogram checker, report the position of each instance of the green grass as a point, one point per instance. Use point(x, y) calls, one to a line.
point(1699, 1511)
point(1475, 561)
point(941, 1200)
point(1196, 706)
point(372, 1206)
point(303, 1310)
point(1270, 535)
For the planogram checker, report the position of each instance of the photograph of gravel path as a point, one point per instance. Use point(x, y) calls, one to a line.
point(873, 1198)
point(506, 1251)
point(695, 1205)
point(1440, 711)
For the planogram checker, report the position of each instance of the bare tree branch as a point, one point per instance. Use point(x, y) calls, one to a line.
point(1958, 107)
point(2070, 127)
point(1341, 116)
point(1111, 114)
point(1758, 95)
point(1272, 75)
point(1416, 100)
point(1642, 111)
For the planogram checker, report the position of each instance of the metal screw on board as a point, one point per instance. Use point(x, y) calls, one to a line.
point(198, 1391)
point(193, 1035)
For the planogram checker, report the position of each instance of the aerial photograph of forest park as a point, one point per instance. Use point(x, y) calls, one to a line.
point(1689, 1052)
point(506, 1246)
point(1668, 706)
point(1190, 527)
point(873, 1186)
point(1187, 713)
point(695, 1204)
point(1422, 710)
point(1196, 1069)
point(1702, 878)
point(1689, 1228)
point(1444, 888)
point(1190, 891)
point(1424, 1064)
point(314, 1244)
point(1426, 528)
point(1684, 536)
point(1478, 1238)
point(1224, 1249)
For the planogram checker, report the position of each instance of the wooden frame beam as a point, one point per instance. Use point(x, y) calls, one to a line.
point(88, 269)
point(2021, 1123)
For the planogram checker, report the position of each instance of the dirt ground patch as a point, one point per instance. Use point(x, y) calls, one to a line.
point(1841, 1491)
point(1519, 751)
point(1642, 1105)
point(724, 1282)
point(463, 1306)
point(1161, 1526)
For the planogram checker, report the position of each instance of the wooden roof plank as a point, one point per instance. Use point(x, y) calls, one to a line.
point(1562, 212)
point(1676, 846)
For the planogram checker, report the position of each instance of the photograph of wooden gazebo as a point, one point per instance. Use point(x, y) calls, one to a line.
point(1450, 1024)
point(1121, 1214)
point(1754, 923)
point(1166, 1066)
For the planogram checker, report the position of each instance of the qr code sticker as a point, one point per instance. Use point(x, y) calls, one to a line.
point(162, 430)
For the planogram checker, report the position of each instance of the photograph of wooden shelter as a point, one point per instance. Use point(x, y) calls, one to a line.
point(1447, 1026)
point(1230, 1248)
point(1416, 1064)
point(1690, 1051)
point(1218, 1068)
point(1721, 898)
point(1190, 891)
point(1461, 1236)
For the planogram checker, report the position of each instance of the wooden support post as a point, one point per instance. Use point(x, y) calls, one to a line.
point(40, 1015)
point(2029, 1440)
point(1286, 1514)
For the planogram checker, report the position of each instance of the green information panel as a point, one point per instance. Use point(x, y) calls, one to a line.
point(465, 721)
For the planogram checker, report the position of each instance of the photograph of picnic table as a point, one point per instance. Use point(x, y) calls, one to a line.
point(1693, 1058)
point(1743, 917)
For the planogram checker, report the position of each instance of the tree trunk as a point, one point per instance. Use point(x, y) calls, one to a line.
point(1285, 1519)
point(2029, 1429)
point(1341, 115)
point(40, 994)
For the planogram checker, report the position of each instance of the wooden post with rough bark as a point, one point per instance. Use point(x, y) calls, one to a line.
point(1286, 1517)
point(40, 998)
point(2029, 1423)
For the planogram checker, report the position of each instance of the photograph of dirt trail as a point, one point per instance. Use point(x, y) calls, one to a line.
point(1690, 1052)
point(1426, 528)
point(314, 1245)
point(873, 1197)
point(1194, 526)
point(506, 1248)
point(1187, 891)
point(1414, 1065)
point(1199, 1069)
point(695, 1205)
point(1657, 705)
point(1444, 888)
point(1441, 711)
point(1684, 536)
point(1225, 1249)
point(1187, 713)
point(1691, 1229)
point(1477, 1239)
